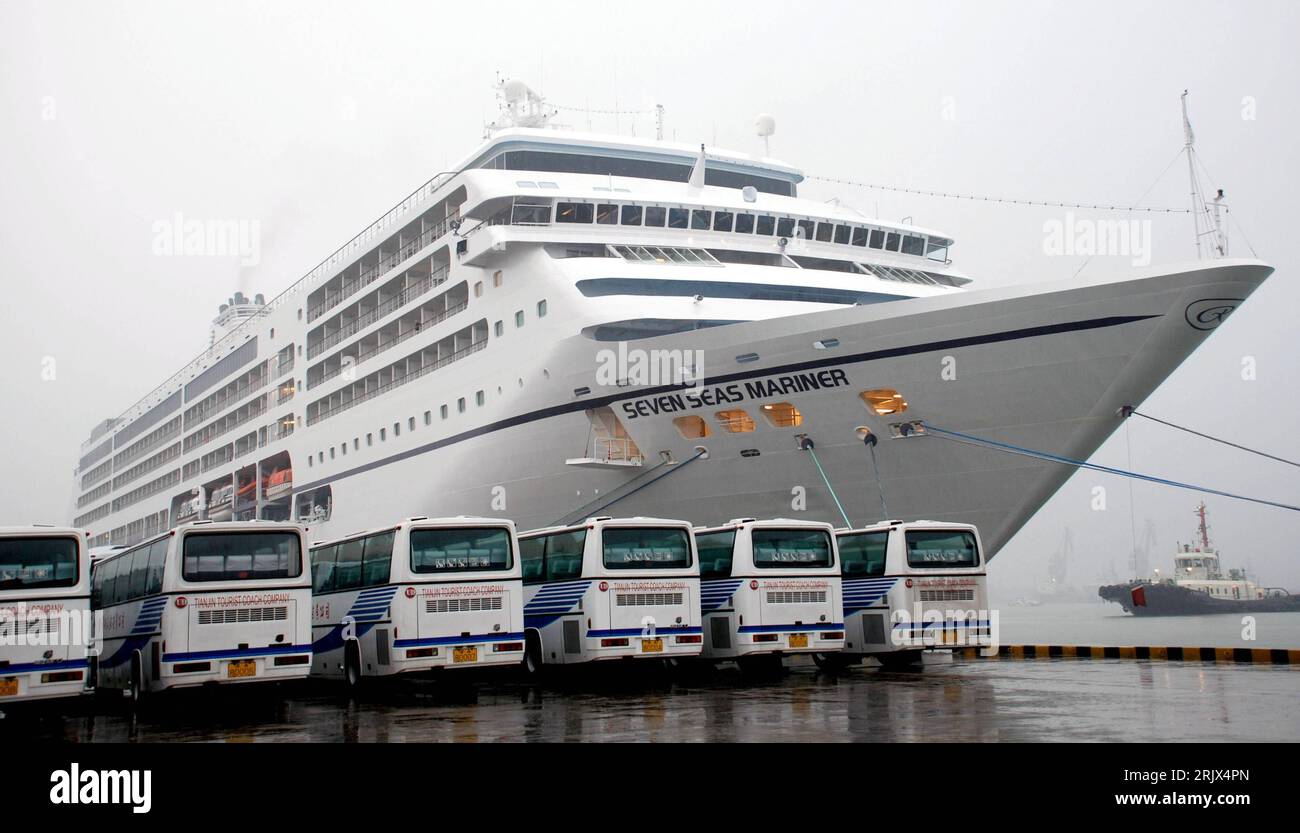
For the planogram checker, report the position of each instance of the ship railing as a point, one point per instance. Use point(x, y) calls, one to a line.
point(422, 326)
point(399, 381)
point(618, 450)
point(404, 297)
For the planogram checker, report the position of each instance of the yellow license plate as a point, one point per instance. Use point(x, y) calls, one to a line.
point(798, 640)
point(652, 646)
point(238, 668)
point(9, 687)
point(464, 654)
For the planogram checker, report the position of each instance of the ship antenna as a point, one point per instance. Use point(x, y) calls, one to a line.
point(1203, 528)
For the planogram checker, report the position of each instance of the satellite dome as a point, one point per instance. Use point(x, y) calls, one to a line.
point(765, 124)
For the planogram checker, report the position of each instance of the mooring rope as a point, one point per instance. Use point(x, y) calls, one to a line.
point(1128, 410)
point(971, 439)
point(829, 487)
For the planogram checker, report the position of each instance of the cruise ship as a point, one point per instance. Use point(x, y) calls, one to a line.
point(570, 324)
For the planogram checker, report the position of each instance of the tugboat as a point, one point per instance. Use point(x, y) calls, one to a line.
point(1199, 586)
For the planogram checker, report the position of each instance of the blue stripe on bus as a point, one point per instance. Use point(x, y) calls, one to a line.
point(457, 640)
point(714, 593)
point(238, 653)
point(642, 632)
point(28, 667)
point(859, 594)
point(818, 626)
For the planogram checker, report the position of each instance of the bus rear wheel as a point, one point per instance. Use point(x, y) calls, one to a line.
point(137, 687)
point(898, 660)
point(532, 655)
point(352, 666)
point(832, 663)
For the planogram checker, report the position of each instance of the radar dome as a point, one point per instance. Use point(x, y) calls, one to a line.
point(765, 124)
point(514, 90)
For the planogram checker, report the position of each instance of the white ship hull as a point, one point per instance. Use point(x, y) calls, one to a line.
point(1045, 367)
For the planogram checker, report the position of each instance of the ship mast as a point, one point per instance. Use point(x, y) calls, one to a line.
point(1207, 218)
point(1203, 528)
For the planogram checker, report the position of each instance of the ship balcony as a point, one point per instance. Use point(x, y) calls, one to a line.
point(610, 452)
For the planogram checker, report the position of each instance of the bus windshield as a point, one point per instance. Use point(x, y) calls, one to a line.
point(863, 554)
point(459, 550)
point(791, 547)
point(947, 548)
point(631, 548)
point(38, 562)
point(239, 556)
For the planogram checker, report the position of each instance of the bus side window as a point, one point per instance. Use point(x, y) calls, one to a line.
point(564, 555)
point(347, 569)
point(322, 569)
point(157, 558)
point(715, 553)
point(110, 571)
point(139, 573)
point(531, 561)
point(96, 587)
point(378, 557)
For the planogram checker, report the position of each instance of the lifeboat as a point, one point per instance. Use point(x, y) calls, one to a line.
point(279, 484)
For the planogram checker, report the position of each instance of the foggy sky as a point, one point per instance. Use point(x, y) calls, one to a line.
point(313, 118)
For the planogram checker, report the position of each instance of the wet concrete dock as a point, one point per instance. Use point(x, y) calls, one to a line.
point(946, 700)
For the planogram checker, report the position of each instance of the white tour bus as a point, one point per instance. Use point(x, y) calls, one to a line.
point(912, 585)
point(610, 588)
point(45, 628)
point(769, 588)
point(426, 593)
point(207, 602)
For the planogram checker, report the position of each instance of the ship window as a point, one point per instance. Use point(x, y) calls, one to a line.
point(309, 462)
point(496, 278)
point(519, 318)
point(806, 229)
point(936, 248)
point(320, 456)
point(478, 289)
point(877, 238)
point(356, 443)
point(606, 213)
point(428, 417)
point(499, 328)
point(785, 227)
point(479, 398)
point(913, 245)
point(782, 415)
point(370, 439)
point(892, 240)
point(383, 435)
point(884, 401)
point(859, 236)
point(574, 212)
point(842, 234)
point(700, 219)
point(655, 216)
point(541, 308)
point(735, 421)
point(722, 220)
point(442, 411)
point(410, 423)
point(630, 215)
point(692, 427)
point(825, 231)
point(331, 452)
point(766, 224)
point(460, 405)
point(397, 429)
point(678, 218)
point(744, 224)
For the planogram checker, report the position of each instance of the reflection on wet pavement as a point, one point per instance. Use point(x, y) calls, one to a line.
point(946, 701)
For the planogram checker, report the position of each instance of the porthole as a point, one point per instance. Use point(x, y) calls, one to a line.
point(692, 427)
point(735, 421)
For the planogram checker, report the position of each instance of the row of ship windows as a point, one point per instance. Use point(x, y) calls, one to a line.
point(444, 411)
point(736, 222)
point(881, 401)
